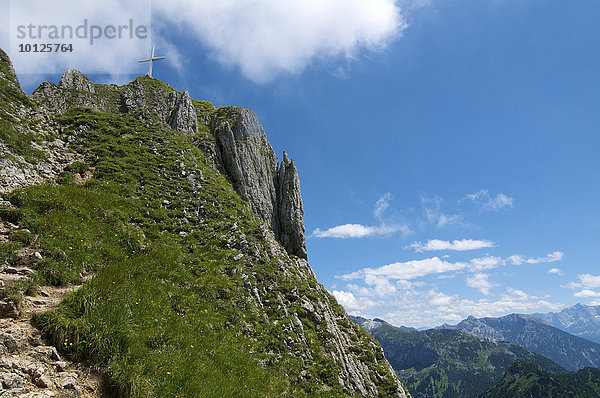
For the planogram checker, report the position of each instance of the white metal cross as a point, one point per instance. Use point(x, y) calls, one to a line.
point(151, 59)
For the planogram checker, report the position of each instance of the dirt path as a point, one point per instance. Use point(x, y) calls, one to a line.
point(29, 367)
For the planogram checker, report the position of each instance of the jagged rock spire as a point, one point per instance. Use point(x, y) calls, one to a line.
point(272, 191)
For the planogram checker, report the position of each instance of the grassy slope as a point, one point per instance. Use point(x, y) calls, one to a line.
point(168, 314)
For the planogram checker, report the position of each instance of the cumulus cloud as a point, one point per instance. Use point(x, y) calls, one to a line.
point(112, 56)
point(349, 231)
point(550, 258)
point(405, 270)
point(264, 38)
point(458, 245)
point(585, 281)
point(350, 303)
point(480, 282)
point(556, 271)
point(586, 293)
point(490, 203)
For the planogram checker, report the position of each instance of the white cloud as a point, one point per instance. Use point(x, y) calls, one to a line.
point(458, 245)
point(485, 263)
point(355, 231)
point(348, 231)
point(585, 281)
point(431, 307)
point(550, 258)
point(350, 303)
point(116, 56)
point(480, 282)
point(587, 293)
point(267, 37)
point(419, 268)
point(588, 280)
point(556, 271)
point(489, 203)
point(405, 270)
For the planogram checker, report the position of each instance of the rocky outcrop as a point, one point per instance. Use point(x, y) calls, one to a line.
point(290, 209)
point(252, 166)
point(183, 117)
point(75, 80)
point(144, 97)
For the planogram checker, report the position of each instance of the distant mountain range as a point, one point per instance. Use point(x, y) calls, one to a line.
point(567, 350)
point(448, 363)
point(529, 381)
point(579, 320)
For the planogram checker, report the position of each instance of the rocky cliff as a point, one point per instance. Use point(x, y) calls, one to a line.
point(191, 235)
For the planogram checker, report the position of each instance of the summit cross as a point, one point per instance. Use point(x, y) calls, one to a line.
point(151, 60)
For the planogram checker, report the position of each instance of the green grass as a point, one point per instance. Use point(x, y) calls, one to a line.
point(169, 311)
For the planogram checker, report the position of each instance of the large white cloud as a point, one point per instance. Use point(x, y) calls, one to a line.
point(266, 37)
point(262, 38)
point(116, 55)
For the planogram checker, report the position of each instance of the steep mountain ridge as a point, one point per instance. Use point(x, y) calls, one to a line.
point(570, 352)
point(193, 293)
point(241, 149)
point(448, 363)
point(579, 320)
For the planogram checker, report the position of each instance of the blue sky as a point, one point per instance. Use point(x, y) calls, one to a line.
point(419, 128)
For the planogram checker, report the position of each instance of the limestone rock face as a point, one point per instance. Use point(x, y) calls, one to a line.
point(291, 212)
point(75, 80)
point(250, 162)
point(183, 117)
